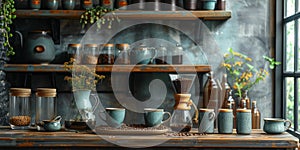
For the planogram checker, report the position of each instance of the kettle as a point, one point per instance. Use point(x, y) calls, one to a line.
point(38, 47)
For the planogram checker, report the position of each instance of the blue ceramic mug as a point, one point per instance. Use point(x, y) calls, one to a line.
point(154, 117)
point(115, 116)
point(276, 125)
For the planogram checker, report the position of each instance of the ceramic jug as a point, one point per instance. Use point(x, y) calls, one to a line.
point(38, 47)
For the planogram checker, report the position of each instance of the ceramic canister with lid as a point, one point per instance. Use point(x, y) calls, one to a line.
point(243, 122)
point(225, 121)
point(46, 107)
point(19, 108)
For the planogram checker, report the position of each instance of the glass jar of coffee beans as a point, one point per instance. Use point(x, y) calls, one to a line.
point(19, 108)
point(107, 54)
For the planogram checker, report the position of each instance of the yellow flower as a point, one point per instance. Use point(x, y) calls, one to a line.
point(238, 63)
point(248, 59)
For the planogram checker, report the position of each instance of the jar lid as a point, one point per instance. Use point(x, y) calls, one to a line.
point(122, 46)
point(107, 45)
point(225, 110)
point(46, 92)
point(21, 92)
point(90, 45)
point(243, 110)
point(74, 45)
point(205, 110)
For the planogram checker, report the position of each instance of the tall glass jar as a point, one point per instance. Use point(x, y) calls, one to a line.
point(19, 108)
point(107, 54)
point(73, 49)
point(45, 105)
point(90, 54)
point(122, 54)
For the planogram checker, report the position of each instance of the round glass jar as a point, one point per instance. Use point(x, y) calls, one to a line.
point(122, 54)
point(45, 105)
point(72, 50)
point(107, 54)
point(90, 54)
point(19, 108)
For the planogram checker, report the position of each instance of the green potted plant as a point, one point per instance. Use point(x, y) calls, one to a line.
point(96, 15)
point(7, 15)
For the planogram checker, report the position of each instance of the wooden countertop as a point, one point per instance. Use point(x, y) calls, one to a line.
point(64, 139)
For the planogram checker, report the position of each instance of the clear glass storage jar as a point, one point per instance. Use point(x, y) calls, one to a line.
point(19, 108)
point(45, 105)
point(107, 54)
point(122, 54)
point(72, 50)
point(90, 54)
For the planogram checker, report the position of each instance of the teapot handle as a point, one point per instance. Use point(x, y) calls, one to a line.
point(97, 101)
point(21, 37)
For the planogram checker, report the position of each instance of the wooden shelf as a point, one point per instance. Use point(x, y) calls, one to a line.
point(110, 68)
point(129, 14)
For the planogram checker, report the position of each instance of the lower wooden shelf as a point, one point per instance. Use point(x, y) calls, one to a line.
point(110, 68)
point(63, 139)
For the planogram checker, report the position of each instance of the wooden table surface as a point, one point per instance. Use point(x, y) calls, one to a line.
point(66, 140)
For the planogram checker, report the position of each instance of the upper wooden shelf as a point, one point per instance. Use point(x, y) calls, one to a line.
point(129, 14)
point(110, 68)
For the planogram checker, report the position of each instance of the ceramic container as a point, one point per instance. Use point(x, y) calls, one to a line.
point(206, 120)
point(52, 4)
point(225, 121)
point(68, 4)
point(53, 125)
point(208, 4)
point(243, 122)
point(276, 125)
point(115, 116)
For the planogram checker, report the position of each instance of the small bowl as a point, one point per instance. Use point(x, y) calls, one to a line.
point(52, 125)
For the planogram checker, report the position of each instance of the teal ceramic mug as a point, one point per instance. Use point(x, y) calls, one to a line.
point(115, 117)
point(154, 117)
point(276, 125)
point(206, 120)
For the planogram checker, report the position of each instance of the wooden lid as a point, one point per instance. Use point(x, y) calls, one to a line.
point(21, 92)
point(243, 110)
point(225, 110)
point(205, 110)
point(107, 45)
point(46, 92)
point(74, 45)
point(90, 45)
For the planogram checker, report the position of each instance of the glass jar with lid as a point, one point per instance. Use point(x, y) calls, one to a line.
point(177, 55)
point(107, 54)
point(162, 55)
point(122, 53)
point(19, 108)
point(45, 105)
point(72, 50)
point(90, 54)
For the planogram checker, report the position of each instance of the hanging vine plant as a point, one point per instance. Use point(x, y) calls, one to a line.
point(7, 15)
point(96, 15)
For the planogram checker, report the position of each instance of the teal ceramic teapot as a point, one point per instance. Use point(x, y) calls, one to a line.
point(38, 47)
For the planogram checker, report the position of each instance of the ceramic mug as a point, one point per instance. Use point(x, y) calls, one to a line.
point(114, 117)
point(244, 121)
point(206, 120)
point(276, 125)
point(225, 121)
point(154, 117)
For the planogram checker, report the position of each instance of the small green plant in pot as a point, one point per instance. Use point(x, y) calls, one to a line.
point(97, 15)
point(7, 15)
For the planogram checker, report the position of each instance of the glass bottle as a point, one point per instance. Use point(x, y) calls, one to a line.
point(107, 54)
point(45, 105)
point(227, 91)
point(19, 108)
point(255, 116)
point(208, 88)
